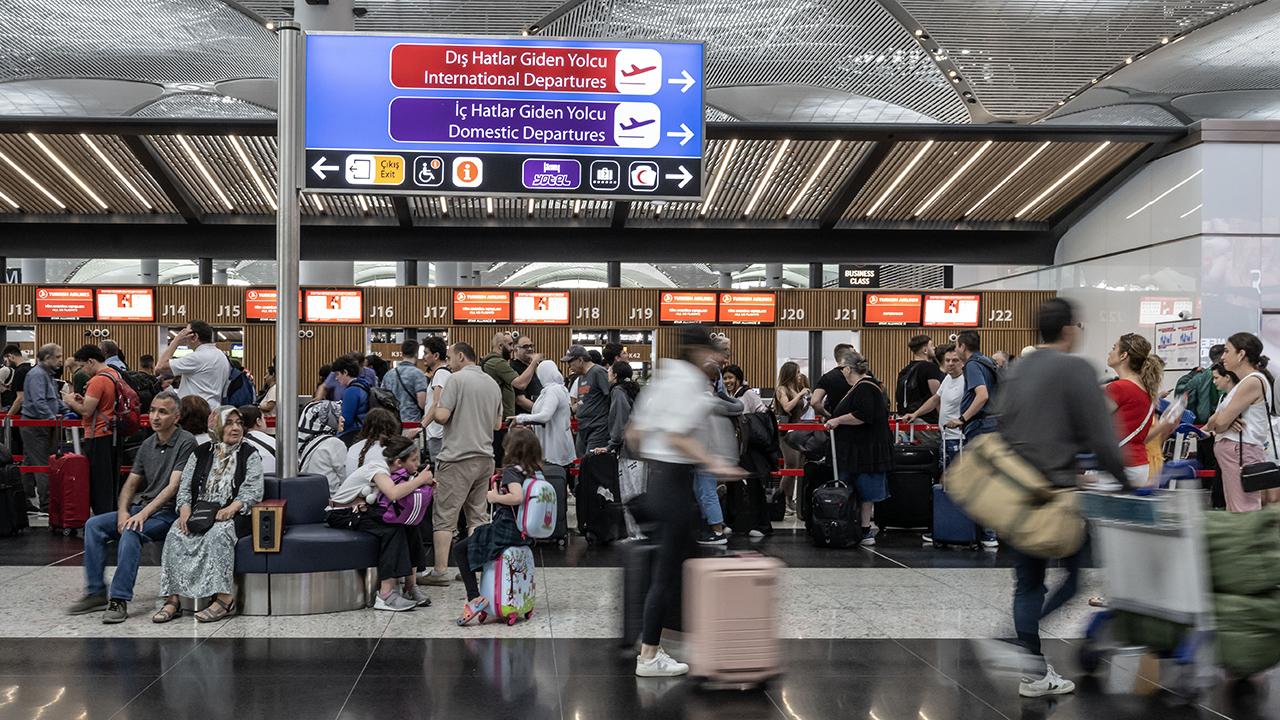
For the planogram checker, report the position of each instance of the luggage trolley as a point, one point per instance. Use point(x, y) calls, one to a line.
point(1156, 564)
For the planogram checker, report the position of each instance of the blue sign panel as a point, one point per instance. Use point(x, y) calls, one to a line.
point(526, 116)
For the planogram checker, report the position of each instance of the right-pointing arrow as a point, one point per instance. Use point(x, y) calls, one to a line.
point(684, 176)
point(685, 134)
point(319, 168)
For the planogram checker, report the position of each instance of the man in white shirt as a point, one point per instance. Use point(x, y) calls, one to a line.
point(437, 360)
point(256, 435)
point(946, 401)
point(204, 371)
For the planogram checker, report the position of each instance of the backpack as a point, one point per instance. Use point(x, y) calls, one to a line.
point(409, 510)
point(379, 397)
point(904, 387)
point(537, 514)
point(146, 386)
point(831, 518)
point(128, 416)
point(240, 389)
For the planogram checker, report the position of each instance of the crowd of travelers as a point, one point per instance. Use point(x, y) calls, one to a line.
point(472, 428)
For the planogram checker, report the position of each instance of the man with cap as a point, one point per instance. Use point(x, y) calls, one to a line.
point(590, 401)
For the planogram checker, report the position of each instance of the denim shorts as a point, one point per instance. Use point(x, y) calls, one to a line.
point(871, 487)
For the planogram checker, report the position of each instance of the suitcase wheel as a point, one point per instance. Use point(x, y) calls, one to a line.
point(512, 620)
point(528, 615)
point(484, 616)
point(68, 532)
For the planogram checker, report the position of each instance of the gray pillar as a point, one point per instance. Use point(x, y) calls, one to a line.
point(815, 336)
point(288, 243)
point(613, 273)
point(327, 272)
point(4, 279)
point(406, 273)
point(447, 274)
point(424, 273)
point(34, 270)
point(464, 274)
point(219, 276)
point(815, 275)
point(725, 280)
point(773, 275)
point(205, 269)
point(149, 271)
point(334, 15)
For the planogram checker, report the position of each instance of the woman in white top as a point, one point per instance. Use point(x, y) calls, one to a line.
point(320, 452)
point(1243, 423)
point(551, 415)
point(379, 426)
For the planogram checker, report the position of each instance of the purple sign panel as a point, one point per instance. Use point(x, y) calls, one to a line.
point(551, 174)
point(570, 123)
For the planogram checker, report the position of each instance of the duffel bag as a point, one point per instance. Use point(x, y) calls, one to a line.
point(1003, 492)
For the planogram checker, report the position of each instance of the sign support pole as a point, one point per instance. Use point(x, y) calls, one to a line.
point(288, 249)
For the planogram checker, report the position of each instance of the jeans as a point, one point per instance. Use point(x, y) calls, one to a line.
point(36, 442)
point(434, 446)
point(979, 427)
point(100, 530)
point(950, 449)
point(1029, 603)
point(704, 488)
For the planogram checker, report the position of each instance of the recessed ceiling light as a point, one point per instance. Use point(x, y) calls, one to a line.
point(32, 181)
point(116, 171)
point(204, 171)
point(817, 172)
point(444, 206)
point(530, 207)
point(768, 174)
point(488, 205)
point(364, 206)
point(1164, 41)
point(1056, 183)
point(253, 172)
point(1021, 166)
point(9, 200)
point(954, 176)
point(66, 170)
point(715, 183)
point(1128, 61)
point(577, 207)
point(897, 180)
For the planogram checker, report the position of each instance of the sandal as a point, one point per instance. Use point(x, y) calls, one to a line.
point(217, 610)
point(1097, 601)
point(472, 610)
point(163, 615)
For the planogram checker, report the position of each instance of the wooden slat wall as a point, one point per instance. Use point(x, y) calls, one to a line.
point(551, 341)
point(614, 309)
point(134, 340)
point(754, 349)
point(887, 352)
point(18, 303)
point(217, 305)
point(260, 350)
point(423, 307)
point(819, 309)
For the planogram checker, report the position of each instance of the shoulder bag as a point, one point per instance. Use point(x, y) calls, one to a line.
point(1265, 475)
point(204, 512)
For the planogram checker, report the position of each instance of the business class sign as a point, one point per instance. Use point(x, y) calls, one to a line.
point(482, 116)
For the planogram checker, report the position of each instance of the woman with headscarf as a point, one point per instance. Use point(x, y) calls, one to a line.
point(320, 452)
point(550, 416)
point(199, 561)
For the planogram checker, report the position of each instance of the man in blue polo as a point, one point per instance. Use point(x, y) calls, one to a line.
point(981, 382)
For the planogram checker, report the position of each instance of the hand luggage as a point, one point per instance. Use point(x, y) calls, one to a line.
point(1181, 475)
point(816, 474)
point(508, 585)
point(558, 477)
point(910, 502)
point(632, 479)
point(68, 493)
point(950, 525)
point(599, 499)
point(731, 612)
point(13, 500)
point(637, 571)
point(833, 514)
point(776, 502)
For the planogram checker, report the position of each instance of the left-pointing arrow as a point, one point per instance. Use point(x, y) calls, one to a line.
point(685, 134)
point(319, 168)
point(684, 176)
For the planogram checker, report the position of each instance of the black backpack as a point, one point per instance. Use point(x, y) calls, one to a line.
point(380, 397)
point(145, 385)
point(832, 522)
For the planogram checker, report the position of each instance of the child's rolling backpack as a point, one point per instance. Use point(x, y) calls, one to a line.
point(508, 585)
point(538, 512)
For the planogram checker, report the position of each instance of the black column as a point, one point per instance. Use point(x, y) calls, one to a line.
point(815, 336)
point(4, 279)
point(815, 275)
point(613, 273)
point(410, 272)
point(205, 270)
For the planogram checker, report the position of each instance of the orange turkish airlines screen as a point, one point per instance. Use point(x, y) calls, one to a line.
point(126, 305)
point(891, 309)
point(537, 307)
point(63, 303)
point(677, 308)
point(481, 306)
point(748, 308)
point(260, 304)
point(334, 306)
point(952, 310)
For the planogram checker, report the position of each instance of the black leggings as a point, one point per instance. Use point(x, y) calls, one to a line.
point(670, 502)
point(464, 567)
point(399, 546)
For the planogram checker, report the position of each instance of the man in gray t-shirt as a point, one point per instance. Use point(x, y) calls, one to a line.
point(590, 401)
point(146, 511)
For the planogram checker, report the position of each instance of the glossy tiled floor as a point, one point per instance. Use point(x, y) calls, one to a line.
point(878, 634)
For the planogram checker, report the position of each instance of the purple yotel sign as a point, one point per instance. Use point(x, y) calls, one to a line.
point(525, 122)
point(551, 174)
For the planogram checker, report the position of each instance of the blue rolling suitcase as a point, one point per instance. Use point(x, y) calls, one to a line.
point(1181, 475)
point(950, 525)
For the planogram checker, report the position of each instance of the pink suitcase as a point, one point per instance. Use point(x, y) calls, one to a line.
point(731, 618)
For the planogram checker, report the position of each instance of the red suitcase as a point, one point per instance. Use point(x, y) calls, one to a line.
point(68, 493)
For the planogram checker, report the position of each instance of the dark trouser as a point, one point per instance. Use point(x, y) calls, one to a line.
point(464, 567)
point(671, 503)
point(591, 437)
point(1029, 604)
point(104, 474)
point(399, 546)
point(36, 442)
point(499, 436)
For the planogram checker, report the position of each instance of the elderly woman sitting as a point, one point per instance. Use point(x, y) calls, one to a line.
point(219, 485)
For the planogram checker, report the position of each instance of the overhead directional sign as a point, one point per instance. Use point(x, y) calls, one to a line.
point(481, 116)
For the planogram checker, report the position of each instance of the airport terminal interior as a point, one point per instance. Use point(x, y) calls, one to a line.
point(786, 359)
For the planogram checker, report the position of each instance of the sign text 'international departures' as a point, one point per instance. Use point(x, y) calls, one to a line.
point(515, 116)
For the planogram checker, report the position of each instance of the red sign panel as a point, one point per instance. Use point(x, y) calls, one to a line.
point(538, 307)
point(334, 306)
point(260, 304)
point(481, 306)
point(126, 305)
point(63, 303)
point(748, 308)
point(529, 69)
point(677, 308)
point(952, 310)
point(891, 309)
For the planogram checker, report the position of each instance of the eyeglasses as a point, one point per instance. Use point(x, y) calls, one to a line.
point(530, 346)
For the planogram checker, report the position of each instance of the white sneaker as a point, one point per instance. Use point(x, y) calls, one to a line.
point(395, 602)
point(1051, 684)
point(662, 665)
point(417, 596)
point(755, 534)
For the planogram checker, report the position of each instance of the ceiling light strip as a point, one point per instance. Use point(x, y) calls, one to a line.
point(444, 206)
point(530, 207)
point(715, 184)
point(488, 205)
point(577, 207)
point(66, 170)
point(901, 176)
point(768, 174)
point(204, 171)
point(238, 144)
point(364, 206)
point(954, 176)
point(316, 200)
point(1057, 183)
point(116, 171)
point(1191, 211)
point(817, 173)
point(1162, 195)
point(9, 200)
point(1021, 166)
point(32, 180)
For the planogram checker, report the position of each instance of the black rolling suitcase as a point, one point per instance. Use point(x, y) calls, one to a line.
point(910, 504)
point(601, 517)
point(13, 498)
point(559, 479)
point(816, 474)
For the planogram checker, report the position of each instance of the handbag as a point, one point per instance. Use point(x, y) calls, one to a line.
point(408, 510)
point(1264, 475)
point(204, 512)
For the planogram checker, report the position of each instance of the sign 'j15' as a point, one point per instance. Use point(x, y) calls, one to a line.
point(484, 116)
